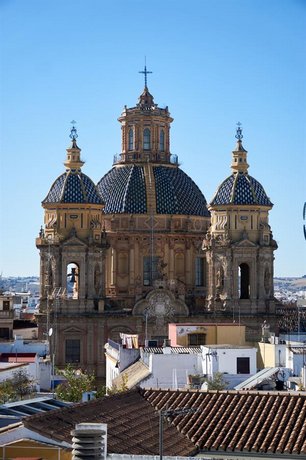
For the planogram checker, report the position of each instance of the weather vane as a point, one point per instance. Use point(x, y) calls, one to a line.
point(73, 133)
point(145, 72)
point(239, 134)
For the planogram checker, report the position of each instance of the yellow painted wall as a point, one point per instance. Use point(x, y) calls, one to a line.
point(266, 355)
point(233, 335)
point(29, 448)
point(216, 334)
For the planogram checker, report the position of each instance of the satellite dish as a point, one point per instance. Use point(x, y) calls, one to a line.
point(50, 332)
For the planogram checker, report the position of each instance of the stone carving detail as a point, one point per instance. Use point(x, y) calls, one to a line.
point(221, 223)
point(52, 222)
point(220, 279)
point(97, 280)
point(161, 269)
point(267, 281)
point(95, 223)
point(161, 305)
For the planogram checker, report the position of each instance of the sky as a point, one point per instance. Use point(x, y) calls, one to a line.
point(214, 63)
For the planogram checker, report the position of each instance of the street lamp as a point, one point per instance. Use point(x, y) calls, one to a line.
point(169, 413)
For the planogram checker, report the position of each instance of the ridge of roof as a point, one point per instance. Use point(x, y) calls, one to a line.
point(227, 421)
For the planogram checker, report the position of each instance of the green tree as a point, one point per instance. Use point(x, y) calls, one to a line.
point(22, 383)
point(77, 382)
point(120, 388)
point(217, 382)
point(7, 392)
point(17, 387)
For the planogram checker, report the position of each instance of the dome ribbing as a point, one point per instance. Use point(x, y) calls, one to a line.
point(241, 189)
point(73, 187)
point(125, 189)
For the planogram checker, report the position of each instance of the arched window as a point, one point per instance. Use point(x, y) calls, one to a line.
point(244, 275)
point(72, 285)
point(146, 139)
point(131, 139)
point(161, 140)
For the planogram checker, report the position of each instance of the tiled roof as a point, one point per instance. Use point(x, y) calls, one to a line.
point(174, 350)
point(225, 421)
point(133, 425)
point(298, 350)
point(17, 357)
point(241, 189)
point(232, 421)
point(176, 193)
point(73, 187)
point(123, 189)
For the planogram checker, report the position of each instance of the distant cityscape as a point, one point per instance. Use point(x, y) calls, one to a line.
point(26, 289)
point(289, 290)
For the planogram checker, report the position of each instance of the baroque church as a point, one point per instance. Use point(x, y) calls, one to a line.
point(142, 247)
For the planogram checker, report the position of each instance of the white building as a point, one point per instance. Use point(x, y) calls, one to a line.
point(177, 367)
point(23, 345)
point(170, 367)
point(237, 362)
point(118, 358)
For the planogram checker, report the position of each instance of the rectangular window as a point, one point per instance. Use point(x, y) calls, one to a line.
point(150, 270)
point(199, 271)
point(6, 305)
point(195, 340)
point(243, 365)
point(73, 348)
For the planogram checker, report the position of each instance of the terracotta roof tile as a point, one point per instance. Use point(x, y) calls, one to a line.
point(225, 421)
point(239, 421)
point(133, 425)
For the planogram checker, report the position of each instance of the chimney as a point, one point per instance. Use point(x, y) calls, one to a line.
point(89, 441)
point(167, 347)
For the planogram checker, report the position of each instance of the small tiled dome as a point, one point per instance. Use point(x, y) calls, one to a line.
point(241, 189)
point(73, 187)
point(123, 190)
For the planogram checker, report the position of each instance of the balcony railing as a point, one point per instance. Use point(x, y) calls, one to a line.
point(7, 314)
point(123, 157)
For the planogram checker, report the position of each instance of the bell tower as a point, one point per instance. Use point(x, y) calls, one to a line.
point(239, 244)
point(145, 130)
point(71, 244)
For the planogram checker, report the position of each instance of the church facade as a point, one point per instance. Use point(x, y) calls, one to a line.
point(142, 248)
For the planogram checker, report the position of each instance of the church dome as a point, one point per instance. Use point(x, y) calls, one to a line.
point(146, 177)
point(241, 189)
point(127, 188)
point(73, 187)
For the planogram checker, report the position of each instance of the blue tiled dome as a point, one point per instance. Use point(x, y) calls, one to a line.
point(73, 187)
point(123, 190)
point(176, 193)
point(240, 189)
